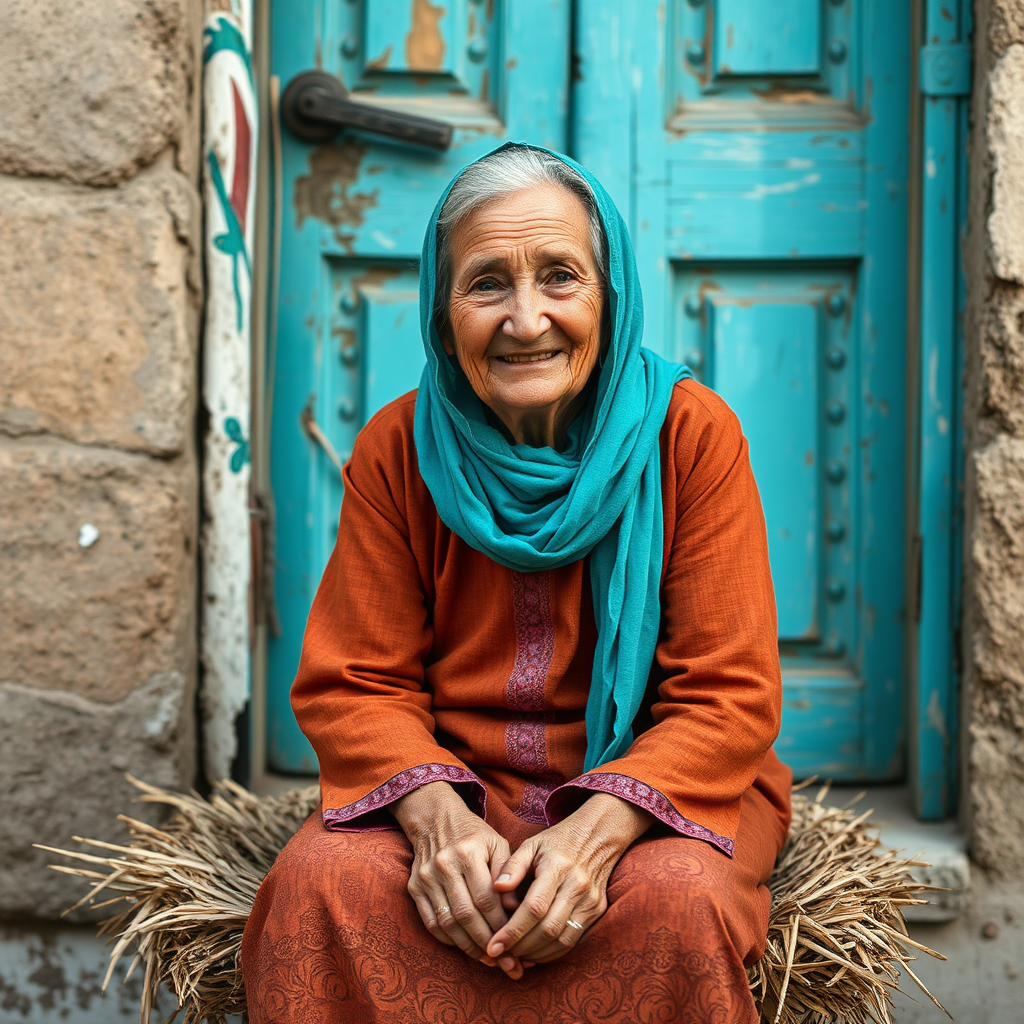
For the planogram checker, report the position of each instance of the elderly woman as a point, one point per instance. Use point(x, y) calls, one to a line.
point(541, 673)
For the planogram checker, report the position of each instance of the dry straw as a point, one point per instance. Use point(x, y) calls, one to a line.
point(837, 940)
point(836, 937)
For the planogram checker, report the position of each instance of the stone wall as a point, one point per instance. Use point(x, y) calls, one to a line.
point(993, 634)
point(99, 317)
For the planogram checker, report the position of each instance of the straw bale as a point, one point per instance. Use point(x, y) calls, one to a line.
point(837, 941)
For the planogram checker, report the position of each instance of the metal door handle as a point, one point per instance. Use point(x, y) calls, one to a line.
point(315, 107)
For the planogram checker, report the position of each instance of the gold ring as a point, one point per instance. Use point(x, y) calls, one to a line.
point(442, 910)
point(574, 924)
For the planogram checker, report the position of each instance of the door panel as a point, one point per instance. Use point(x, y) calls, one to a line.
point(758, 195)
point(775, 344)
point(787, 39)
point(444, 58)
point(355, 211)
point(759, 153)
point(765, 355)
point(391, 339)
point(783, 54)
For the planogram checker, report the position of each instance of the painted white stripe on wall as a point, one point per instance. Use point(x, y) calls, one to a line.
point(229, 167)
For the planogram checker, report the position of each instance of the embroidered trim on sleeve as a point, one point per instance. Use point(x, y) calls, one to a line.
point(397, 786)
point(647, 797)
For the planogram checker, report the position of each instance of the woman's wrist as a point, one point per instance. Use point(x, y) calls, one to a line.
point(610, 820)
point(423, 807)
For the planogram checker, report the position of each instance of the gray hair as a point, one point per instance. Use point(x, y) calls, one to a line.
point(510, 169)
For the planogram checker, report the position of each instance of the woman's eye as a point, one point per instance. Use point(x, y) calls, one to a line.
point(561, 277)
point(485, 286)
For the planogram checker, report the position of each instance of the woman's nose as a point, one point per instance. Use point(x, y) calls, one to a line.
point(526, 320)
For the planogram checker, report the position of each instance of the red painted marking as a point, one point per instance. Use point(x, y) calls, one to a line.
point(243, 159)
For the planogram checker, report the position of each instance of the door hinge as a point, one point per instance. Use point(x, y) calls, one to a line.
point(946, 69)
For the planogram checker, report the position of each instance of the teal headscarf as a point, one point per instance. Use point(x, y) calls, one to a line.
point(536, 508)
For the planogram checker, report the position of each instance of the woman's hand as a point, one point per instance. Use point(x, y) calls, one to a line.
point(456, 858)
point(570, 862)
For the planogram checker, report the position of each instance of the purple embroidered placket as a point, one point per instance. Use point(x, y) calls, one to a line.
point(526, 738)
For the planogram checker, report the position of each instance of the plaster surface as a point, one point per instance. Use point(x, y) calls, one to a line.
point(982, 979)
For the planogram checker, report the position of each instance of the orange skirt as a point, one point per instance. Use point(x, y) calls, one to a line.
point(334, 937)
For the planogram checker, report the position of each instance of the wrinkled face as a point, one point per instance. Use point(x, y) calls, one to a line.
point(526, 302)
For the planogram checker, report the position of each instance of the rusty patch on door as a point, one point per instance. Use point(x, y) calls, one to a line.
point(424, 45)
point(782, 92)
point(327, 193)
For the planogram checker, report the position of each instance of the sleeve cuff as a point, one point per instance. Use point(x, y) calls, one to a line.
point(369, 813)
point(641, 795)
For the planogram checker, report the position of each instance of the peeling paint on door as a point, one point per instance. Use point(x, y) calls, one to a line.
point(424, 45)
point(327, 192)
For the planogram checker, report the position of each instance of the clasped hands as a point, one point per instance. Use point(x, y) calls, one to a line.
point(464, 879)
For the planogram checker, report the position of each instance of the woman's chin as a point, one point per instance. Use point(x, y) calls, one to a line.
point(530, 387)
point(533, 399)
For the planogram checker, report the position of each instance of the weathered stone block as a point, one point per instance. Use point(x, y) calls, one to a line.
point(996, 707)
point(1000, 360)
point(997, 780)
point(93, 91)
point(97, 316)
point(97, 567)
point(998, 551)
point(994, 421)
point(1005, 24)
point(63, 760)
point(1006, 145)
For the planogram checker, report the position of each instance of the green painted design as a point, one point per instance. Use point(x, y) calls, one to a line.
point(240, 456)
point(232, 242)
point(224, 35)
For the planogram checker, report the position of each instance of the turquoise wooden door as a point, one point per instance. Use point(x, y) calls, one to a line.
point(352, 223)
point(761, 156)
point(758, 152)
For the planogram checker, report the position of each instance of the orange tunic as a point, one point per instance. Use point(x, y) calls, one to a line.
point(424, 659)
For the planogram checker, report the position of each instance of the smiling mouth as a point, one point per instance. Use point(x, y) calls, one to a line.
point(538, 357)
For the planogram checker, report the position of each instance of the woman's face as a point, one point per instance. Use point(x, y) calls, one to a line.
point(525, 309)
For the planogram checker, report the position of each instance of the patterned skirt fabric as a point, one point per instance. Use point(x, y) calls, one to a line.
point(334, 937)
